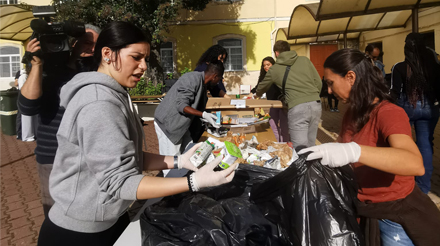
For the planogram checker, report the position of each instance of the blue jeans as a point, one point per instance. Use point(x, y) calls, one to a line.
point(424, 118)
point(393, 234)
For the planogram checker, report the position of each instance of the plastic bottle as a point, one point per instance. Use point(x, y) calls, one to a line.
point(199, 158)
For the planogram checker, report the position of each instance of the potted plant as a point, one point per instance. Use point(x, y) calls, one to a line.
point(144, 88)
point(169, 81)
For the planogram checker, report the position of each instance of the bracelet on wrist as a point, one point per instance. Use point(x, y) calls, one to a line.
point(192, 184)
point(176, 162)
point(189, 183)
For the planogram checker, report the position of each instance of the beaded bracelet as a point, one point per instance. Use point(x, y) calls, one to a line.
point(189, 183)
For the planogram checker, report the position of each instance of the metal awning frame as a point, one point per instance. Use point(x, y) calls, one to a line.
point(322, 17)
point(368, 11)
point(23, 16)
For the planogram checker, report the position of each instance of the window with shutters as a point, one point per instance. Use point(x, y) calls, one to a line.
point(234, 47)
point(166, 57)
point(9, 61)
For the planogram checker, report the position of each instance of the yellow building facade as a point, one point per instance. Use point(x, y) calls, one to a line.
point(255, 23)
point(246, 29)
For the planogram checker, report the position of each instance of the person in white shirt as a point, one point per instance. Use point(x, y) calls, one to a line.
point(28, 123)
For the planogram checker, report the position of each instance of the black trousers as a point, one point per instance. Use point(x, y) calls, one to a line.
point(330, 103)
point(51, 234)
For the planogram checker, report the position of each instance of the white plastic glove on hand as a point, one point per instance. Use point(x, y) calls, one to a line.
point(183, 161)
point(210, 118)
point(334, 154)
point(207, 177)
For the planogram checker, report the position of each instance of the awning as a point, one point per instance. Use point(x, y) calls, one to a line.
point(330, 19)
point(14, 22)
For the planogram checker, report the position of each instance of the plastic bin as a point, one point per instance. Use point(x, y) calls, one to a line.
point(8, 111)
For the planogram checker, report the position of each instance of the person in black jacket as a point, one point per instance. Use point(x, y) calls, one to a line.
point(278, 117)
point(214, 53)
point(40, 96)
point(413, 85)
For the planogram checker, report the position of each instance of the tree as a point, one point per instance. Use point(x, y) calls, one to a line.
point(149, 15)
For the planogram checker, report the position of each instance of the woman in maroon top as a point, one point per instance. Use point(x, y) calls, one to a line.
point(376, 139)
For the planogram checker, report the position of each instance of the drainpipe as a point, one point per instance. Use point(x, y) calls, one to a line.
point(415, 20)
point(272, 40)
point(275, 13)
point(275, 27)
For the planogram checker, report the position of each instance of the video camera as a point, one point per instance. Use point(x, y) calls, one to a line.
point(53, 36)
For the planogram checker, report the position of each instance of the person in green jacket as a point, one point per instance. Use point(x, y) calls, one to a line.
point(303, 85)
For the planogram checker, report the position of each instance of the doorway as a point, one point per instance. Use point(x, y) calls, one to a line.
point(318, 54)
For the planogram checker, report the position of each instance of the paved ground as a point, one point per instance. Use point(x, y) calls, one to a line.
point(21, 210)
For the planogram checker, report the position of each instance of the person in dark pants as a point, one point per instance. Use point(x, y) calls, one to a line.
point(330, 99)
point(39, 96)
point(278, 117)
point(97, 172)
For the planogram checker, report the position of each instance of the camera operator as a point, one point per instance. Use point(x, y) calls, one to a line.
point(40, 96)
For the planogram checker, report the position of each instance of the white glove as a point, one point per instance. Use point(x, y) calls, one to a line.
point(207, 177)
point(183, 160)
point(210, 118)
point(334, 154)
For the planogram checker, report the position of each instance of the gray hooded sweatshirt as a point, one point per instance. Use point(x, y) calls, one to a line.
point(98, 164)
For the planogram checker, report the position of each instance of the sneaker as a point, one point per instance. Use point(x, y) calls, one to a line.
point(332, 110)
point(336, 110)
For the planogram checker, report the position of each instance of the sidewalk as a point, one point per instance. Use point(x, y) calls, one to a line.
point(21, 210)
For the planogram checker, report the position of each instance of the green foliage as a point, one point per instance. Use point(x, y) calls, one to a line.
point(144, 88)
point(151, 15)
point(185, 70)
point(170, 76)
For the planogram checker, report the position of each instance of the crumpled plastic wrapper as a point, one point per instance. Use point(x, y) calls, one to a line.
point(269, 154)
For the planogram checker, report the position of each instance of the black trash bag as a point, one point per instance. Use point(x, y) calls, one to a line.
point(217, 216)
point(313, 204)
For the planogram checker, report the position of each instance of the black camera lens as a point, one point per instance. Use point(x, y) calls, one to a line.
point(54, 44)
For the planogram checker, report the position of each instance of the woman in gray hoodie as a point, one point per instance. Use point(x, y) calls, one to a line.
point(98, 167)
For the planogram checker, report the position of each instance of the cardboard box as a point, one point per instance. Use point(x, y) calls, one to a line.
point(245, 89)
point(224, 105)
point(243, 129)
point(242, 113)
point(216, 103)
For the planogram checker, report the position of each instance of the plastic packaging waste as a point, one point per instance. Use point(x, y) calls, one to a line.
point(201, 155)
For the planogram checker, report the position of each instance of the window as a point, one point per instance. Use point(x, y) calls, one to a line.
point(9, 61)
point(8, 2)
point(166, 57)
point(234, 47)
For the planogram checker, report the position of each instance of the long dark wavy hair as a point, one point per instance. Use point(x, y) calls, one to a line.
point(367, 87)
point(212, 54)
point(262, 71)
point(418, 80)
